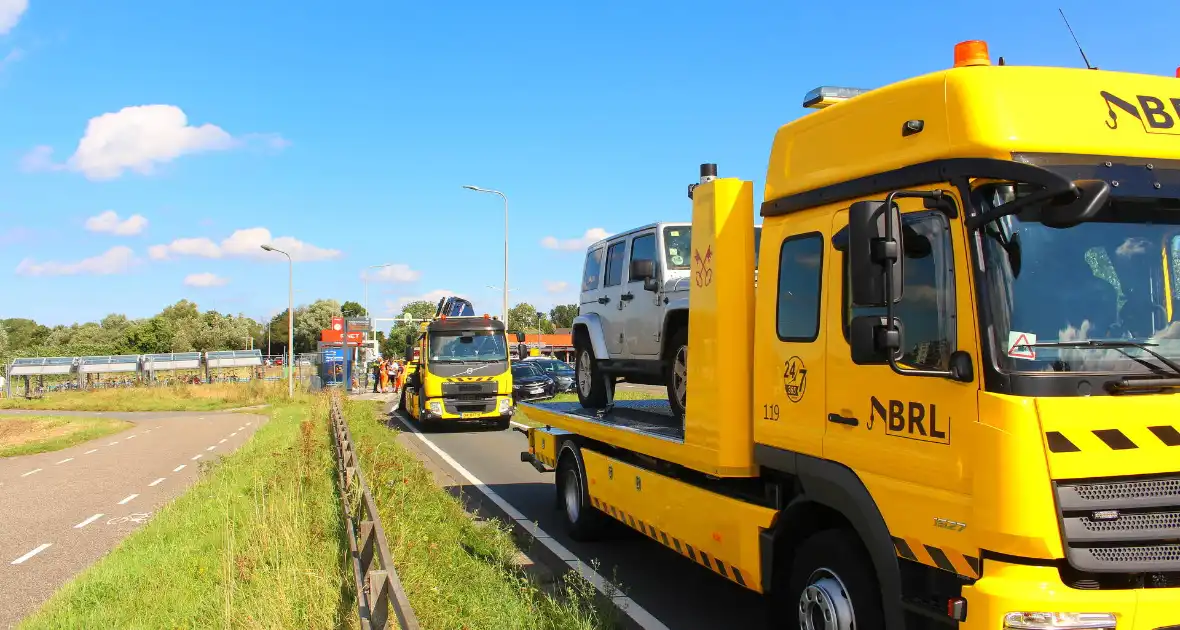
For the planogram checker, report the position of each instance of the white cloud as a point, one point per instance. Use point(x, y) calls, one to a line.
point(559, 286)
point(395, 306)
point(108, 222)
point(204, 280)
point(139, 138)
point(10, 14)
point(393, 273)
point(13, 56)
point(591, 236)
point(114, 260)
point(245, 243)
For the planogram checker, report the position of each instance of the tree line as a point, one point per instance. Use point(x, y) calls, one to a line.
point(183, 327)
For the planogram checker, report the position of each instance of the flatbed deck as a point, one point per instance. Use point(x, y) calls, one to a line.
point(649, 417)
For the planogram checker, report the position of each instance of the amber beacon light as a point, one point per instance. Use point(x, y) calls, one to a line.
point(971, 53)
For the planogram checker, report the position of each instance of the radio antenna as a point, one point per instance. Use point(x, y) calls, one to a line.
point(1075, 41)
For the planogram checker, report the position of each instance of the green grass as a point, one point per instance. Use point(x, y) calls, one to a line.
point(522, 417)
point(456, 573)
point(258, 542)
point(170, 398)
point(27, 435)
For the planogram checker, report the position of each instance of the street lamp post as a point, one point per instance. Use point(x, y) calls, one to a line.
point(290, 320)
point(505, 198)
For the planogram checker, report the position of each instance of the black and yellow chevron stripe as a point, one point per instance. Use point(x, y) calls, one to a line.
point(729, 571)
point(943, 558)
point(470, 379)
point(1114, 439)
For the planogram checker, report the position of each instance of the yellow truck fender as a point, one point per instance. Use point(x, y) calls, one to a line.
point(829, 487)
point(590, 325)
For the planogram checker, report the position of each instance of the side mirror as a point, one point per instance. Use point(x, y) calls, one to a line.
point(872, 342)
point(642, 269)
point(651, 284)
point(519, 337)
point(872, 250)
point(1091, 198)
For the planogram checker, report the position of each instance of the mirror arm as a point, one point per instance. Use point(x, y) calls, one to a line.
point(1015, 207)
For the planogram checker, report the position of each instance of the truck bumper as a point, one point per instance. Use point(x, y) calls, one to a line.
point(437, 409)
point(1009, 588)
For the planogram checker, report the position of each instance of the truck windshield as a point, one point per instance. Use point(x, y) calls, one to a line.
point(678, 246)
point(470, 345)
point(1112, 279)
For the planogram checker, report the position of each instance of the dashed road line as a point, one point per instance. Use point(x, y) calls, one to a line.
point(156, 482)
point(35, 470)
point(32, 553)
point(68, 459)
point(196, 457)
point(179, 468)
point(211, 447)
point(113, 443)
point(247, 424)
point(128, 499)
point(93, 450)
point(88, 521)
point(222, 441)
point(233, 434)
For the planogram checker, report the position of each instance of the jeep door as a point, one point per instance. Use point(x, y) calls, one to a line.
point(641, 309)
point(610, 301)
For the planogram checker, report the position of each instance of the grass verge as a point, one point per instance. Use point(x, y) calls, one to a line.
point(171, 398)
point(27, 435)
point(522, 417)
point(456, 573)
point(257, 542)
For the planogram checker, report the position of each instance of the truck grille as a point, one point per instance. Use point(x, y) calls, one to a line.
point(1117, 526)
point(454, 390)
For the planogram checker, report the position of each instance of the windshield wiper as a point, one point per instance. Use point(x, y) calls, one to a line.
point(1120, 346)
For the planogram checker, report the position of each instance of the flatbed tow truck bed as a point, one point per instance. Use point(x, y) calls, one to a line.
point(646, 417)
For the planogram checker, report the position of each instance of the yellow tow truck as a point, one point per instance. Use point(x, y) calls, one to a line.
point(954, 398)
point(461, 369)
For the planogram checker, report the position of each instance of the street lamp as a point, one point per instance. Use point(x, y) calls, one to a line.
point(502, 196)
point(290, 319)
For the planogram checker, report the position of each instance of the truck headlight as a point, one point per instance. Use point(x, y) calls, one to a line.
point(436, 408)
point(505, 405)
point(1037, 620)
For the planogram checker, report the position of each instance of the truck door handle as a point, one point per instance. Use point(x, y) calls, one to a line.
point(627, 297)
point(839, 419)
point(603, 300)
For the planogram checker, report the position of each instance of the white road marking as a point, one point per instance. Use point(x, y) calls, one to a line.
point(88, 521)
point(247, 424)
point(68, 459)
point(233, 434)
point(240, 428)
point(196, 457)
point(35, 470)
point(179, 468)
point(93, 450)
point(129, 437)
point(128, 499)
point(113, 443)
point(222, 441)
point(155, 482)
point(628, 606)
point(211, 447)
point(201, 418)
point(32, 553)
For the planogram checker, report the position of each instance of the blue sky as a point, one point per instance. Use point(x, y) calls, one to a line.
point(348, 132)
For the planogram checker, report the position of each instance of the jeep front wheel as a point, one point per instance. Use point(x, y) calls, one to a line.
point(676, 372)
point(591, 385)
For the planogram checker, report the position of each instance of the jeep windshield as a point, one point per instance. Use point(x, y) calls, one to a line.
point(1098, 297)
point(678, 246)
point(475, 346)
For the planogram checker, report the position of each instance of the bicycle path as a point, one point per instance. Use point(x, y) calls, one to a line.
point(64, 510)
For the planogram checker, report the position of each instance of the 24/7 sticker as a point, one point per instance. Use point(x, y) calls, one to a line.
point(795, 379)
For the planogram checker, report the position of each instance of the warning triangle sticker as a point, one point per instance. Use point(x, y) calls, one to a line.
point(1020, 345)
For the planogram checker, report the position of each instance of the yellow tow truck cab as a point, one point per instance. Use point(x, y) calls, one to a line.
point(954, 398)
point(462, 369)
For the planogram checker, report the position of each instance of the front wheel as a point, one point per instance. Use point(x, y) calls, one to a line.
point(590, 383)
point(676, 372)
point(830, 587)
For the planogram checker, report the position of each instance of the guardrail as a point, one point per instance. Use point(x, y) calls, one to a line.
point(378, 588)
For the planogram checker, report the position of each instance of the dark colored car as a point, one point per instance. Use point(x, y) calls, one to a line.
point(531, 383)
point(559, 371)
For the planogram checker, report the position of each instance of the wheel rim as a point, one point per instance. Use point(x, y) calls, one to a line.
point(573, 497)
point(825, 603)
point(584, 373)
point(680, 375)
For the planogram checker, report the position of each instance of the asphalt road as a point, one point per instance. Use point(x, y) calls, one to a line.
point(676, 591)
point(64, 510)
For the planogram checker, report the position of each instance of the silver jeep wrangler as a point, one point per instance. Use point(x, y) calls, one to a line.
point(632, 322)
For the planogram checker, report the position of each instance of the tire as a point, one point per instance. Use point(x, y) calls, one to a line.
point(587, 377)
point(831, 576)
point(677, 354)
point(583, 522)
